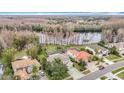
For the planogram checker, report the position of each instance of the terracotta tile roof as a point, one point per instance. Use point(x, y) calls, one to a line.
point(24, 63)
point(82, 55)
point(22, 73)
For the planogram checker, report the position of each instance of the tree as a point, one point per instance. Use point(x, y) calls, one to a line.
point(56, 70)
point(1, 49)
point(32, 52)
point(19, 42)
point(34, 77)
point(8, 56)
point(35, 69)
point(82, 65)
point(113, 50)
point(72, 59)
point(17, 77)
point(95, 58)
point(37, 28)
point(42, 59)
point(8, 71)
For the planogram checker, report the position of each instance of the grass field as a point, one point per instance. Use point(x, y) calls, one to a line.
point(118, 70)
point(113, 57)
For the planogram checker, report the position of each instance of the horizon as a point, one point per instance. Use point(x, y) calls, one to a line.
point(64, 13)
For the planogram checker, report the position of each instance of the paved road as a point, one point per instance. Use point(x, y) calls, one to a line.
point(97, 74)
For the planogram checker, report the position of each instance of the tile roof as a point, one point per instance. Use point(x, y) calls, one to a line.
point(82, 55)
point(22, 73)
point(73, 51)
point(24, 63)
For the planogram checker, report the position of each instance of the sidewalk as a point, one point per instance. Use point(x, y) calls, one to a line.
point(108, 61)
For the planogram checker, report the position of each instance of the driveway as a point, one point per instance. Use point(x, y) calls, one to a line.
point(92, 67)
point(99, 73)
point(74, 73)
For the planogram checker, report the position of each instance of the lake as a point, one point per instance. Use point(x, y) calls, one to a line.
point(77, 38)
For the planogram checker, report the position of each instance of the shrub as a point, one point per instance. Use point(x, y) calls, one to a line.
point(95, 58)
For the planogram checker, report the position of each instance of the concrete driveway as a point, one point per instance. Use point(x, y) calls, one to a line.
point(74, 73)
point(92, 67)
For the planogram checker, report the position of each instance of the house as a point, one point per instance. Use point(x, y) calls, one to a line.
point(103, 52)
point(23, 67)
point(82, 55)
point(72, 52)
point(90, 49)
point(78, 55)
point(1, 69)
point(120, 47)
point(63, 57)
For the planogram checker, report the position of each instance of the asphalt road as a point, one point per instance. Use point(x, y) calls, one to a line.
point(97, 74)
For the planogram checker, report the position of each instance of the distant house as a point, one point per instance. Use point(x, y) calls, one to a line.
point(72, 52)
point(92, 50)
point(1, 69)
point(103, 52)
point(23, 67)
point(78, 55)
point(119, 46)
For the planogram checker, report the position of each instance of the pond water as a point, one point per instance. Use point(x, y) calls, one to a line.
point(77, 38)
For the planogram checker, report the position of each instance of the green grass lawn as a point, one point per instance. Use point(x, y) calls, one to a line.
point(86, 72)
point(113, 57)
point(121, 75)
point(94, 46)
point(103, 77)
point(20, 54)
point(53, 48)
point(78, 67)
point(118, 70)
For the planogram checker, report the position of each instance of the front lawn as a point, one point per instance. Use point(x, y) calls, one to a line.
point(86, 72)
point(113, 57)
point(79, 67)
point(118, 70)
point(103, 77)
point(121, 75)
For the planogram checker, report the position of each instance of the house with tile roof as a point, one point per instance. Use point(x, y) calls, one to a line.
point(82, 55)
point(21, 67)
point(78, 55)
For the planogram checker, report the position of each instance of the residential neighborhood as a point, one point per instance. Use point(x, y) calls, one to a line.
point(61, 48)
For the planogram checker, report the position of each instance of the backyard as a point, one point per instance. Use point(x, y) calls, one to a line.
point(54, 48)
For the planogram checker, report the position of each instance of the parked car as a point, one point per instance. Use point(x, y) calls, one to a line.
point(42, 73)
point(101, 67)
